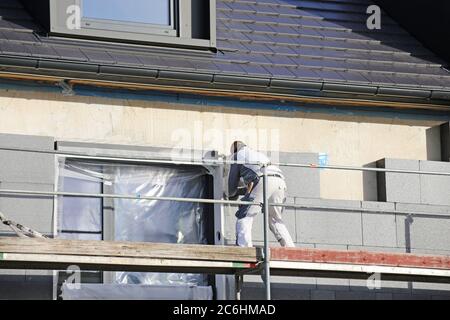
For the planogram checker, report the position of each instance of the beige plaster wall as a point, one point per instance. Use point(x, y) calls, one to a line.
point(347, 140)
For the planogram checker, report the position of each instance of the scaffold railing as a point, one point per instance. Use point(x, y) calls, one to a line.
point(219, 161)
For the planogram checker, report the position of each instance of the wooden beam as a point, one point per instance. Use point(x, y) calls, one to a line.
point(130, 250)
point(56, 254)
point(259, 96)
point(235, 94)
point(27, 261)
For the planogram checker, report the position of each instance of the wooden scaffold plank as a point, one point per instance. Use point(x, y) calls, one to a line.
point(17, 253)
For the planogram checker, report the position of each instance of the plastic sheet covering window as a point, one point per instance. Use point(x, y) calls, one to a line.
point(80, 218)
point(133, 292)
point(136, 220)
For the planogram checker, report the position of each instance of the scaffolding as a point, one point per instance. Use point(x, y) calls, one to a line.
point(292, 262)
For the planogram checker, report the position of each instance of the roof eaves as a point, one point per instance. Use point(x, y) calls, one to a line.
point(301, 86)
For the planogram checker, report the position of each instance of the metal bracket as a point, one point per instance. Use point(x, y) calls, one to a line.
point(67, 88)
point(410, 218)
point(238, 283)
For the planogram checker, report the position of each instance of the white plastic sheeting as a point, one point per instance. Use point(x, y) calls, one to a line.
point(133, 292)
point(159, 221)
point(80, 218)
point(136, 220)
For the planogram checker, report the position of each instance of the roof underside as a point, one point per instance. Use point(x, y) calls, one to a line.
point(265, 43)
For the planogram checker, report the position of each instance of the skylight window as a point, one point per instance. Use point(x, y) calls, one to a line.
point(177, 22)
point(156, 12)
point(134, 16)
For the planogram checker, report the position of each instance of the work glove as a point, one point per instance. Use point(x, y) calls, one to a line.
point(242, 191)
point(243, 209)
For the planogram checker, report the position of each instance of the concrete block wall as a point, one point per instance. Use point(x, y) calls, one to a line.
point(340, 224)
point(434, 190)
point(313, 225)
point(408, 220)
point(346, 225)
point(392, 186)
point(414, 188)
point(301, 182)
point(333, 224)
point(341, 289)
point(26, 171)
point(425, 233)
point(26, 285)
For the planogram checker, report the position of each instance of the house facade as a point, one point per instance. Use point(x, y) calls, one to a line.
point(304, 81)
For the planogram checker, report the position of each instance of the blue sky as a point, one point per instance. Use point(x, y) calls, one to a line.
point(143, 11)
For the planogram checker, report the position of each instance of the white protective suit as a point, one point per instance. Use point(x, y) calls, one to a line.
point(276, 194)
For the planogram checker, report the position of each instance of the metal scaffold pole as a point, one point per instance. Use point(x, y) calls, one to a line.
point(266, 232)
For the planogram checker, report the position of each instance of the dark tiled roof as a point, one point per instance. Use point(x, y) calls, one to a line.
point(323, 40)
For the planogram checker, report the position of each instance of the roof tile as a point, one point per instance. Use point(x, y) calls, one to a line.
point(280, 72)
point(254, 69)
point(98, 56)
point(14, 48)
point(233, 68)
point(68, 53)
point(42, 51)
point(280, 60)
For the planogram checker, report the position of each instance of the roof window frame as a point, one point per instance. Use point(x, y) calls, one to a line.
point(181, 31)
point(132, 27)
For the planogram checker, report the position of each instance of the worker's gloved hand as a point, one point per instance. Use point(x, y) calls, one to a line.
point(248, 197)
point(242, 191)
point(234, 197)
point(243, 209)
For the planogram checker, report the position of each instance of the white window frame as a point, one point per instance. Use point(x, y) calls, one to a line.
point(178, 33)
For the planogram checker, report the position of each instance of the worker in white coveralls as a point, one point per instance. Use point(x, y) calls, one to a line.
point(251, 175)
